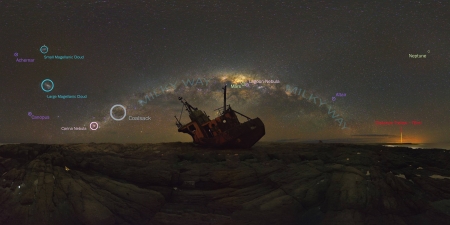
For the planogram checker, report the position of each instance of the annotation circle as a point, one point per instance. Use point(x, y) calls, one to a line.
point(93, 125)
point(48, 89)
point(44, 49)
point(124, 114)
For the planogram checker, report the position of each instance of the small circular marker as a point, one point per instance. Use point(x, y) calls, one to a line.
point(93, 126)
point(47, 85)
point(124, 112)
point(16, 54)
point(44, 49)
point(428, 51)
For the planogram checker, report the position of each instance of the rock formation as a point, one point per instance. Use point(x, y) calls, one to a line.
point(177, 183)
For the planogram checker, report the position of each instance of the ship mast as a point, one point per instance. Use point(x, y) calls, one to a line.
point(188, 106)
point(224, 99)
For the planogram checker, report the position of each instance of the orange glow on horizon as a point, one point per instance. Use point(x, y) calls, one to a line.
point(414, 140)
point(400, 140)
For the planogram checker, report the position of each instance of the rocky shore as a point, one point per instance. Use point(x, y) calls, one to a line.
point(177, 183)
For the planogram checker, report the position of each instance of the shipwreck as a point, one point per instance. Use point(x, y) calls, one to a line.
point(224, 131)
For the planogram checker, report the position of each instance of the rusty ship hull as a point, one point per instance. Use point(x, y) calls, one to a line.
point(224, 131)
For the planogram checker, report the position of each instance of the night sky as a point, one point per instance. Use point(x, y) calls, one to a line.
point(140, 54)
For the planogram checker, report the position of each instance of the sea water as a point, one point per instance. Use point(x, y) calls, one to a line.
point(445, 146)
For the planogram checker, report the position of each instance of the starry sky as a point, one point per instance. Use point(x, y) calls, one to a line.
point(143, 55)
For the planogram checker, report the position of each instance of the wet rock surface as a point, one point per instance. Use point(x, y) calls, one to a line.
point(177, 183)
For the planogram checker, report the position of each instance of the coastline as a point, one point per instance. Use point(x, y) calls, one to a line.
point(178, 183)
